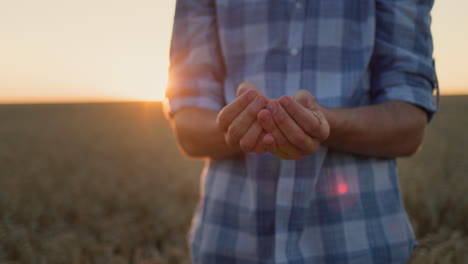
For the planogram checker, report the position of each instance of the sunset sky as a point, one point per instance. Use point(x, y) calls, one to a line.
point(87, 50)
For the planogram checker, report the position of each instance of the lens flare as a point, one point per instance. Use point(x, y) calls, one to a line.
point(342, 188)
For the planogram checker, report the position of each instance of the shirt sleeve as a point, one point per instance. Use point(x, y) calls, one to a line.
point(196, 68)
point(402, 65)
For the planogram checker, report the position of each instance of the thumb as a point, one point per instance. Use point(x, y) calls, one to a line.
point(306, 99)
point(244, 87)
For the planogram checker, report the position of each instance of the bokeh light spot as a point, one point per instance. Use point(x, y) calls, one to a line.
point(342, 188)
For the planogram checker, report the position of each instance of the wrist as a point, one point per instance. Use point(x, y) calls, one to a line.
point(335, 121)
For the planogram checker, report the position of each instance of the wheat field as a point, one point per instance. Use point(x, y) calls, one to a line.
point(105, 183)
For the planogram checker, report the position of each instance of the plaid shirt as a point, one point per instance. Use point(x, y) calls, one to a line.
point(330, 207)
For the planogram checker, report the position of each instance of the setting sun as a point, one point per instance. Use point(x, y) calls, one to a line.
point(62, 51)
point(154, 92)
point(54, 51)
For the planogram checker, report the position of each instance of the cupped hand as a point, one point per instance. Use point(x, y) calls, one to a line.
point(294, 126)
point(290, 128)
point(238, 120)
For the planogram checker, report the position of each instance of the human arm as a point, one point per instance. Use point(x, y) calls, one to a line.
point(195, 93)
point(389, 129)
point(403, 78)
point(199, 136)
point(195, 102)
point(203, 133)
point(402, 81)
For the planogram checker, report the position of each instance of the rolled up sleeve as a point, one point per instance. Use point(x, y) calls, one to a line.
point(402, 65)
point(196, 70)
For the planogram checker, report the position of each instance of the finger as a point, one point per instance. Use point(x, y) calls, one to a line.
point(270, 145)
point(309, 121)
point(324, 125)
point(246, 86)
point(275, 140)
point(259, 148)
point(249, 141)
point(269, 141)
point(305, 98)
point(265, 120)
point(291, 130)
point(244, 120)
point(232, 110)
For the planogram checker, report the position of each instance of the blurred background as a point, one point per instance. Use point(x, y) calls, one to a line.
point(90, 171)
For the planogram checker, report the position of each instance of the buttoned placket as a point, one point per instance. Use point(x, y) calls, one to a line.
point(295, 40)
point(286, 180)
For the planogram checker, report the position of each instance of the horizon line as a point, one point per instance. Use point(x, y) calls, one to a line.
point(114, 100)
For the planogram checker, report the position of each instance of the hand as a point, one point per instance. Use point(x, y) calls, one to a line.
point(238, 120)
point(294, 127)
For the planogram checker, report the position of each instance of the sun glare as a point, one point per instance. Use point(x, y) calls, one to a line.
point(99, 54)
point(153, 91)
point(150, 95)
point(84, 51)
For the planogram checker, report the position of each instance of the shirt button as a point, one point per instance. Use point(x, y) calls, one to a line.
point(298, 5)
point(294, 51)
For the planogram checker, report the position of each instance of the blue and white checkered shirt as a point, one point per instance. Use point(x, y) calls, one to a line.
point(330, 207)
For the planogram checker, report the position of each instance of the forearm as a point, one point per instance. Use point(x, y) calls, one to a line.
point(390, 129)
point(198, 135)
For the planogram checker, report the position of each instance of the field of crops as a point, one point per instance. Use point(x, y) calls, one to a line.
point(105, 183)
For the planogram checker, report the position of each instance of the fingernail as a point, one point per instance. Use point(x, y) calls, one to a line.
point(251, 95)
point(285, 100)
